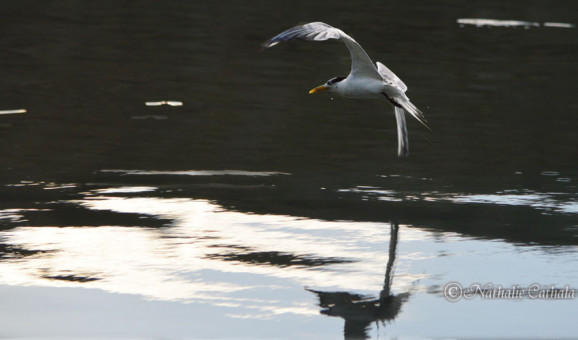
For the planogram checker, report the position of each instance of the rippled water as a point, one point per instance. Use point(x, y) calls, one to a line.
point(162, 177)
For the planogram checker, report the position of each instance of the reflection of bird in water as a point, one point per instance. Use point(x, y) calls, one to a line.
point(360, 311)
point(365, 80)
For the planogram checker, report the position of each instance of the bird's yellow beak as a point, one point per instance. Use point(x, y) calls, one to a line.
point(319, 88)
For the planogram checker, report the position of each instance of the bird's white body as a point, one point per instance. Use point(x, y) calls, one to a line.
point(359, 87)
point(366, 80)
point(363, 87)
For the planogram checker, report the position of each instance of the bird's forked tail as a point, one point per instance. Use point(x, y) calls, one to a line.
point(412, 109)
point(402, 136)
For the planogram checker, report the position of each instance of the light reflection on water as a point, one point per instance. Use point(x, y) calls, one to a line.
point(246, 262)
point(200, 257)
point(550, 201)
point(203, 237)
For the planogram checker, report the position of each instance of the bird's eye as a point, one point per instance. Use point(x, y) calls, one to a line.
point(334, 80)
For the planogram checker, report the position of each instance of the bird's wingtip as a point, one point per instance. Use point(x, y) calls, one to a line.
point(268, 44)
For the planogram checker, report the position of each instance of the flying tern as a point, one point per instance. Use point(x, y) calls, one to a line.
point(365, 80)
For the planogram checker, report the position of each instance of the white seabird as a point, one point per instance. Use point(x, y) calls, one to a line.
point(365, 80)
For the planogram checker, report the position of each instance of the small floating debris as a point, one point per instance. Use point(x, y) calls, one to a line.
point(198, 172)
point(564, 179)
point(510, 23)
point(164, 102)
point(558, 24)
point(550, 173)
point(497, 23)
point(11, 112)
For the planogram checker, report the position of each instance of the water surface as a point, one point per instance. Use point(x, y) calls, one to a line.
point(162, 177)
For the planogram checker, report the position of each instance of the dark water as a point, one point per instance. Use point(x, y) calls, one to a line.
point(256, 210)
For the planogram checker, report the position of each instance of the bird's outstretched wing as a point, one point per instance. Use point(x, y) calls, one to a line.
point(361, 65)
point(390, 77)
